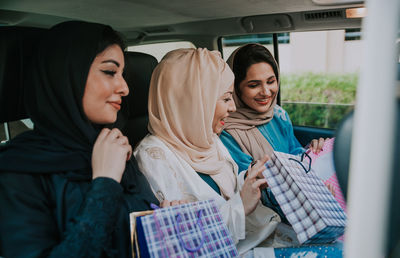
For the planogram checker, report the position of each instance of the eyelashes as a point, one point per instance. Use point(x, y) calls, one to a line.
point(258, 84)
point(109, 72)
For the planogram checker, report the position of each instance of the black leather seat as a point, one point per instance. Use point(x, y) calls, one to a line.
point(139, 67)
point(16, 45)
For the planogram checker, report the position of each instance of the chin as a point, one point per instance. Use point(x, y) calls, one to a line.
point(217, 130)
point(106, 120)
point(260, 109)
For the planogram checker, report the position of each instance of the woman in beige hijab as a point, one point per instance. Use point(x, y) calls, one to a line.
point(190, 98)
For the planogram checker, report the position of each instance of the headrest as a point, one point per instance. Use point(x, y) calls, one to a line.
point(16, 46)
point(342, 148)
point(139, 67)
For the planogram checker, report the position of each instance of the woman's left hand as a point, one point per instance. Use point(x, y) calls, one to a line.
point(317, 144)
point(331, 188)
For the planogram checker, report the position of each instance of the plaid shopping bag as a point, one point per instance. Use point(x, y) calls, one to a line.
point(189, 230)
point(309, 206)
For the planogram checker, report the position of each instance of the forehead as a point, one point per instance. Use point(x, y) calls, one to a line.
point(260, 70)
point(112, 52)
point(228, 90)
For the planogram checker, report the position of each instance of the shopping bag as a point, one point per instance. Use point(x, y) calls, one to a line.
point(323, 165)
point(189, 230)
point(308, 205)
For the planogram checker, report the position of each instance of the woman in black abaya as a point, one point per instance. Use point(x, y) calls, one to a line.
point(67, 187)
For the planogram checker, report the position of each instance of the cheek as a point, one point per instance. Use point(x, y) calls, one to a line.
point(103, 90)
point(220, 110)
point(275, 88)
point(248, 94)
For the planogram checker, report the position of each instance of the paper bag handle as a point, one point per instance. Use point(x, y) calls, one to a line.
point(203, 234)
point(300, 162)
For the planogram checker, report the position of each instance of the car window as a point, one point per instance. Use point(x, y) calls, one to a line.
point(158, 50)
point(11, 129)
point(319, 72)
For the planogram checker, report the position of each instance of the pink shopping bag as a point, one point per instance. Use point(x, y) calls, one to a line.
point(322, 163)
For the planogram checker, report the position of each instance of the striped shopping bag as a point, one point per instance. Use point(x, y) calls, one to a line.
point(308, 205)
point(188, 230)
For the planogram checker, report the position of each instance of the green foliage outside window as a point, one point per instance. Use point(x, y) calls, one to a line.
point(318, 100)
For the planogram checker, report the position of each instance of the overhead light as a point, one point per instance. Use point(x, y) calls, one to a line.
point(360, 12)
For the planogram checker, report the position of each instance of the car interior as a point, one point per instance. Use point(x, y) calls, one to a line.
point(147, 22)
point(202, 23)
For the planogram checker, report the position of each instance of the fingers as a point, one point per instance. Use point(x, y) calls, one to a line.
point(103, 134)
point(316, 145)
point(174, 203)
point(258, 168)
point(321, 142)
point(107, 134)
point(115, 133)
point(331, 188)
point(165, 204)
point(313, 145)
point(123, 140)
point(129, 152)
point(257, 184)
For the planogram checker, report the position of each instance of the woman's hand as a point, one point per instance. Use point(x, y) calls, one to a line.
point(251, 192)
point(317, 144)
point(331, 188)
point(110, 153)
point(167, 203)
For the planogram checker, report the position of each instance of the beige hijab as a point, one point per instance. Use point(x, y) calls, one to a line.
point(183, 93)
point(242, 123)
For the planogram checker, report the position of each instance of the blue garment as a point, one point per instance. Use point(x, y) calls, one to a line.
point(279, 133)
point(210, 182)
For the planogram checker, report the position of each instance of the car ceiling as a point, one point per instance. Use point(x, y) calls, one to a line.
point(136, 18)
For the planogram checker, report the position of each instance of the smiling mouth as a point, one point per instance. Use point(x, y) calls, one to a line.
point(262, 102)
point(115, 105)
point(222, 122)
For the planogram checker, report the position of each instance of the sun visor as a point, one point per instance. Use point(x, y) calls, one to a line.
point(270, 23)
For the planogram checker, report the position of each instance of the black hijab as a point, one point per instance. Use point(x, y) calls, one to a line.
point(63, 137)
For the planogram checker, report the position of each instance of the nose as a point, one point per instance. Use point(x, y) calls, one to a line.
point(266, 90)
point(232, 106)
point(123, 88)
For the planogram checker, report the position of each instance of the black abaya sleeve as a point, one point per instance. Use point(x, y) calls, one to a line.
point(28, 226)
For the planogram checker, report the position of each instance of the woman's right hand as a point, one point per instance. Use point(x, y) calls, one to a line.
point(251, 192)
point(167, 203)
point(110, 153)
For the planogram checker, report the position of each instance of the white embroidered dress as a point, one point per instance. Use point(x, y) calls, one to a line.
point(171, 178)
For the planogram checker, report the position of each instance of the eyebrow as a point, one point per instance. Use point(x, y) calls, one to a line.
point(271, 77)
point(110, 61)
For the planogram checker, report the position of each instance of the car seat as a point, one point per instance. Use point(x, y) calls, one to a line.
point(342, 149)
point(139, 67)
point(16, 45)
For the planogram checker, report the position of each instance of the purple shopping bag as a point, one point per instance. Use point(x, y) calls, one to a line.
point(188, 230)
